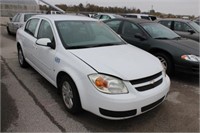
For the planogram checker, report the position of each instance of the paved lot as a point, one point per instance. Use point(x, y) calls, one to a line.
point(29, 103)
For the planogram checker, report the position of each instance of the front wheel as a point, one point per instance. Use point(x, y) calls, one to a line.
point(21, 58)
point(166, 62)
point(70, 95)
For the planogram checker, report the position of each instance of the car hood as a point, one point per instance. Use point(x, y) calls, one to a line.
point(123, 61)
point(187, 45)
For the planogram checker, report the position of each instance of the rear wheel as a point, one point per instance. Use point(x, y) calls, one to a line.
point(166, 62)
point(21, 58)
point(8, 30)
point(70, 95)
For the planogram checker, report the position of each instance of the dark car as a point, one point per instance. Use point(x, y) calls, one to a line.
point(184, 28)
point(175, 53)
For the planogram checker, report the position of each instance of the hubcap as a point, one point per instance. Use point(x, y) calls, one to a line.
point(21, 59)
point(163, 61)
point(67, 94)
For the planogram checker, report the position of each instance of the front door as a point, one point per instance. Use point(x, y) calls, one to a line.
point(46, 55)
point(128, 32)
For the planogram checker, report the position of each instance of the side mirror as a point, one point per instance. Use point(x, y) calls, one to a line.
point(10, 18)
point(191, 31)
point(140, 36)
point(43, 42)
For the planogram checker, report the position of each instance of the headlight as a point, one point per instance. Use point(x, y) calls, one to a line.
point(193, 58)
point(108, 84)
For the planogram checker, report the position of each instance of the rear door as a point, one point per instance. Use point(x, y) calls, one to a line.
point(29, 39)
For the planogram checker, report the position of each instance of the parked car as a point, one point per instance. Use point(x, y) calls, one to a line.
point(197, 21)
point(184, 28)
point(140, 16)
point(174, 52)
point(106, 16)
point(18, 21)
point(92, 66)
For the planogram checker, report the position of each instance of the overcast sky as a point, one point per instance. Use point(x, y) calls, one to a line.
point(177, 7)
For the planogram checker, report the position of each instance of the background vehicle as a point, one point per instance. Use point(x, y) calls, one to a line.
point(140, 16)
point(92, 66)
point(184, 28)
point(106, 16)
point(173, 51)
point(18, 21)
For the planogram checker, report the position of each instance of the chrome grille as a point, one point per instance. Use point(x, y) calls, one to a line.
point(147, 83)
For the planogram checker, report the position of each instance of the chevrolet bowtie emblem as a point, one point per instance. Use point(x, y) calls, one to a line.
point(152, 81)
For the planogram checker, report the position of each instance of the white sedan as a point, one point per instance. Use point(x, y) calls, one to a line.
point(92, 66)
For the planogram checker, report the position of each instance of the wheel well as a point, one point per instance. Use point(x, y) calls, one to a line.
point(153, 51)
point(58, 80)
point(59, 77)
point(18, 45)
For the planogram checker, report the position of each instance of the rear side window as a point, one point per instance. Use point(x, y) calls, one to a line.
point(145, 17)
point(114, 25)
point(166, 23)
point(131, 16)
point(106, 17)
point(17, 19)
point(31, 26)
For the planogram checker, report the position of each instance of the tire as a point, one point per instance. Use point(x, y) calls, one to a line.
point(21, 59)
point(9, 33)
point(70, 95)
point(166, 61)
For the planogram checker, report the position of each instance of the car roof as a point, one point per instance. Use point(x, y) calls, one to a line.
point(137, 14)
point(135, 20)
point(176, 19)
point(61, 17)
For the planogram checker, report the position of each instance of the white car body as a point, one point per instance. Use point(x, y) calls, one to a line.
point(124, 62)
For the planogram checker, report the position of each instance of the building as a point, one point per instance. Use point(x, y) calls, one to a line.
point(10, 7)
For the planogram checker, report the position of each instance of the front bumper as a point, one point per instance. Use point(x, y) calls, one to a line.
point(123, 106)
point(188, 68)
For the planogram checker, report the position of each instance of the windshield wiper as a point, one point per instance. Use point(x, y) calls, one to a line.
point(164, 38)
point(76, 47)
point(105, 44)
point(178, 38)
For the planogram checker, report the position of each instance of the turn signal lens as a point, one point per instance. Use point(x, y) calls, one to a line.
point(100, 82)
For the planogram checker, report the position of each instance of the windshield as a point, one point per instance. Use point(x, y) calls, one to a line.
point(195, 26)
point(159, 31)
point(84, 34)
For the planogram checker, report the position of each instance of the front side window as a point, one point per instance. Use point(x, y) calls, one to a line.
point(195, 26)
point(45, 30)
point(130, 29)
point(31, 26)
point(158, 31)
point(86, 34)
point(114, 25)
point(180, 26)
